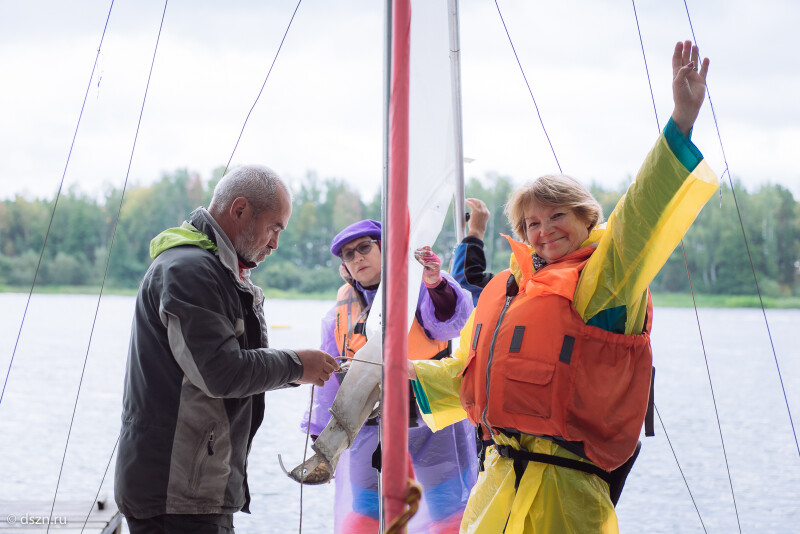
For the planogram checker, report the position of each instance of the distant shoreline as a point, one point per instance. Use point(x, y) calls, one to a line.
point(128, 292)
point(662, 300)
point(684, 300)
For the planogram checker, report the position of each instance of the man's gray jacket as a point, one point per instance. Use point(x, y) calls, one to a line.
point(197, 369)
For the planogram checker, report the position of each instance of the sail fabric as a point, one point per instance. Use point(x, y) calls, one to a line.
point(431, 166)
point(432, 170)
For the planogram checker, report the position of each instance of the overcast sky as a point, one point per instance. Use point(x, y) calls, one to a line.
point(321, 110)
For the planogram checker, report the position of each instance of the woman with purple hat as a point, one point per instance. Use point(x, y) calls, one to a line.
point(445, 463)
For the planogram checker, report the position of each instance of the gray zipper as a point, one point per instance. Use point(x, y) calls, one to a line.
point(489, 361)
point(206, 449)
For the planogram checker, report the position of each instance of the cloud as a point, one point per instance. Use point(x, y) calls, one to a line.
point(322, 107)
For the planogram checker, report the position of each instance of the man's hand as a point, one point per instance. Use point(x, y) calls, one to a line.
point(479, 217)
point(318, 366)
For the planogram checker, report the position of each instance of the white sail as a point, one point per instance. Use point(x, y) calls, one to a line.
point(431, 169)
point(431, 183)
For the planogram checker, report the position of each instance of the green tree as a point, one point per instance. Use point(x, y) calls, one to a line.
point(82, 228)
point(66, 270)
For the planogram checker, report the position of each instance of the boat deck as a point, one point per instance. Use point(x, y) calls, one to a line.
point(33, 517)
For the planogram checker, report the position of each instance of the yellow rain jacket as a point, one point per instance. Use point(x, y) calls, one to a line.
point(643, 230)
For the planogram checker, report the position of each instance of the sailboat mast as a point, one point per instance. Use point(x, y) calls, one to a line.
point(458, 148)
point(394, 440)
point(385, 275)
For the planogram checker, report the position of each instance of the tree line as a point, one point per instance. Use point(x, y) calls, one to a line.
point(85, 227)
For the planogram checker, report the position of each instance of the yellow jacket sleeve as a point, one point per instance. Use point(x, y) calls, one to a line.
point(642, 231)
point(439, 382)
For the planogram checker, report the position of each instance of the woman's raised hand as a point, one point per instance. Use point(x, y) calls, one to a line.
point(688, 85)
point(431, 266)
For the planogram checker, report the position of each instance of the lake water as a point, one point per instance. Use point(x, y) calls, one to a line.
point(762, 456)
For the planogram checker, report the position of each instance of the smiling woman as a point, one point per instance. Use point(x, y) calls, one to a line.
point(555, 365)
point(555, 213)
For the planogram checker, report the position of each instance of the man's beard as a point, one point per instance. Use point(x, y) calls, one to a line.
point(246, 248)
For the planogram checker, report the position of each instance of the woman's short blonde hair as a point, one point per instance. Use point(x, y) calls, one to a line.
point(553, 190)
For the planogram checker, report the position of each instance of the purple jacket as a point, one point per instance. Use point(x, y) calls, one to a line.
point(426, 313)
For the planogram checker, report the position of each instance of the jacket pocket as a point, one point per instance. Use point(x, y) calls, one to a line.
point(611, 387)
point(528, 387)
point(204, 449)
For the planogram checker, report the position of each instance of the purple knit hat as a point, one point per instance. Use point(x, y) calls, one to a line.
point(367, 227)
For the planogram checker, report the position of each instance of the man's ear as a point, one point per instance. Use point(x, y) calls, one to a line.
point(238, 208)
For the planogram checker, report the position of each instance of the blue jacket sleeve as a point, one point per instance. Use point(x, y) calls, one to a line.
point(469, 266)
point(682, 146)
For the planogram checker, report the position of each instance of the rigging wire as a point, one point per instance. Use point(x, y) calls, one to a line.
point(652, 96)
point(646, 69)
point(749, 256)
point(108, 261)
point(711, 387)
point(262, 87)
point(664, 428)
point(100, 487)
point(541, 121)
point(694, 304)
point(55, 203)
point(109, 256)
point(559, 167)
point(305, 452)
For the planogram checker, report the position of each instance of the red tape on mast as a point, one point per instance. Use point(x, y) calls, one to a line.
point(394, 443)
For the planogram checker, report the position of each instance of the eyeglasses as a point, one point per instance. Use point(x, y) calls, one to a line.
point(362, 248)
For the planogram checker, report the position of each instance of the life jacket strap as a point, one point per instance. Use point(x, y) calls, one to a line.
point(522, 458)
point(482, 445)
point(649, 424)
point(445, 352)
point(615, 479)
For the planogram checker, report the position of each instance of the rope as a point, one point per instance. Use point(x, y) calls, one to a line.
point(108, 261)
point(100, 487)
point(664, 428)
point(305, 452)
point(352, 359)
point(55, 204)
point(749, 256)
point(262, 87)
point(711, 387)
point(646, 70)
point(527, 84)
point(694, 304)
point(411, 498)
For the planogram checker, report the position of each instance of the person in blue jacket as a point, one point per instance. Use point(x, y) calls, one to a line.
point(469, 260)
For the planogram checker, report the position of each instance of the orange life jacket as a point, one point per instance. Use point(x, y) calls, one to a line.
point(350, 330)
point(535, 367)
